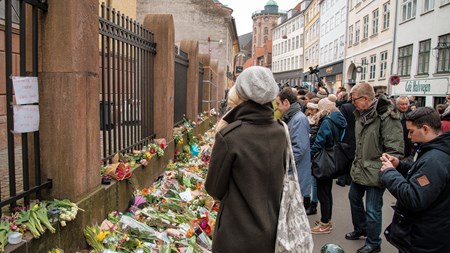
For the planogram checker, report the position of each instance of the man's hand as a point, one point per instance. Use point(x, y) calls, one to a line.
point(388, 161)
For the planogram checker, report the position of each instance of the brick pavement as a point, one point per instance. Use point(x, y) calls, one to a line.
point(4, 182)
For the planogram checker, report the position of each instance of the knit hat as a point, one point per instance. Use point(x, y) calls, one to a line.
point(257, 84)
point(326, 105)
point(332, 97)
point(312, 106)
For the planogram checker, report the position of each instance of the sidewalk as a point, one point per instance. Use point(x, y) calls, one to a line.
point(342, 223)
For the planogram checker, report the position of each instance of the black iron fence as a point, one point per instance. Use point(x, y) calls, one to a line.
point(201, 72)
point(180, 85)
point(127, 52)
point(20, 158)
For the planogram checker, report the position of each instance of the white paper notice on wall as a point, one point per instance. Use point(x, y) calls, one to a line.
point(25, 89)
point(26, 118)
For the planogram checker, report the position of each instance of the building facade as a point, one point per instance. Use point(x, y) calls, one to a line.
point(311, 41)
point(369, 48)
point(217, 37)
point(422, 51)
point(287, 49)
point(263, 23)
point(333, 16)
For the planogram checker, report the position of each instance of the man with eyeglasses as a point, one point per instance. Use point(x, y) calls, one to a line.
point(377, 130)
point(421, 221)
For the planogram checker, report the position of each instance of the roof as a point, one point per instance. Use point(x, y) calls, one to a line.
point(271, 2)
point(248, 63)
point(245, 40)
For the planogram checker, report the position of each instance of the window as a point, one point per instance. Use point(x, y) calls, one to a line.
point(375, 21)
point(335, 53)
point(322, 60)
point(350, 35)
point(404, 60)
point(408, 9)
point(325, 57)
point(424, 57)
point(373, 66)
point(297, 42)
point(343, 15)
point(337, 19)
point(386, 15)
point(445, 2)
point(428, 5)
point(444, 54)
point(331, 23)
point(341, 46)
point(15, 11)
point(357, 31)
point(383, 64)
point(266, 30)
point(366, 27)
point(364, 68)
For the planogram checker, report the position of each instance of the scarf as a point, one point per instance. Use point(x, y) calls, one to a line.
point(365, 114)
point(293, 109)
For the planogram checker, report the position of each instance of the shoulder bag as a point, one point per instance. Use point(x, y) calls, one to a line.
point(293, 230)
point(331, 162)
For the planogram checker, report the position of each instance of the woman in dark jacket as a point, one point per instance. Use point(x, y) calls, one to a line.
point(247, 168)
point(332, 127)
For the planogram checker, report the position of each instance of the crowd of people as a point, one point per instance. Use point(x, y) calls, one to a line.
point(395, 146)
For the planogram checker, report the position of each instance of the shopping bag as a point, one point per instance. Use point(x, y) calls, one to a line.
point(293, 230)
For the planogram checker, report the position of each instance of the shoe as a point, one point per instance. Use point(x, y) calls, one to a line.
point(340, 183)
point(307, 202)
point(312, 208)
point(322, 228)
point(355, 235)
point(317, 222)
point(369, 249)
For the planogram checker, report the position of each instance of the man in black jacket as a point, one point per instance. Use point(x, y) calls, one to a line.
point(421, 221)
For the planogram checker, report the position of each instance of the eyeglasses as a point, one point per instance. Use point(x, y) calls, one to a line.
point(354, 99)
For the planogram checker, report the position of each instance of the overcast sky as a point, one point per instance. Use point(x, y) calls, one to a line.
point(243, 9)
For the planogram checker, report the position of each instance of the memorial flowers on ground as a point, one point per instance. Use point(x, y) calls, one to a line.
point(174, 214)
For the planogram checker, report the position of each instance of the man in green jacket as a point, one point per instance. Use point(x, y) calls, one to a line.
point(377, 130)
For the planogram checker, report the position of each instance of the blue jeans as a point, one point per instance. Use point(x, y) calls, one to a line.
point(369, 219)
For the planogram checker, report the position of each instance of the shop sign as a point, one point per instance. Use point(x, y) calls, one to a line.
point(329, 70)
point(422, 86)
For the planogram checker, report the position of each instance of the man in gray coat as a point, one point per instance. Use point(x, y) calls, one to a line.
point(377, 130)
point(298, 125)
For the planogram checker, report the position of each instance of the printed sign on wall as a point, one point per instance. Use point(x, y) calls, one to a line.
point(26, 118)
point(25, 89)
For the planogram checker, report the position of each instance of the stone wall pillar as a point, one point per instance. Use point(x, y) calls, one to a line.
point(191, 48)
point(206, 89)
point(214, 66)
point(164, 72)
point(221, 86)
point(69, 102)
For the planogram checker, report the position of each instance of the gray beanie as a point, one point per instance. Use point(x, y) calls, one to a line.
point(257, 84)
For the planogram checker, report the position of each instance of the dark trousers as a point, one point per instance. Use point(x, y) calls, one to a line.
point(367, 218)
point(325, 199)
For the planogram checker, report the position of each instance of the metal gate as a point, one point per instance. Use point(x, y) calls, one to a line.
point(20, 152)
point(180, 85)
point(127, 52)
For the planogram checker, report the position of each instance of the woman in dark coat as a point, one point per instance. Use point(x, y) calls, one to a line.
point(247, 168)
point(332, 127)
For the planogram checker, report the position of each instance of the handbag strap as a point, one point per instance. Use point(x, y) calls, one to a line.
point(334, 126)
point(290, 161)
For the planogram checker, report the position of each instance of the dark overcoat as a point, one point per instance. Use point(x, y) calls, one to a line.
point(246, 174)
